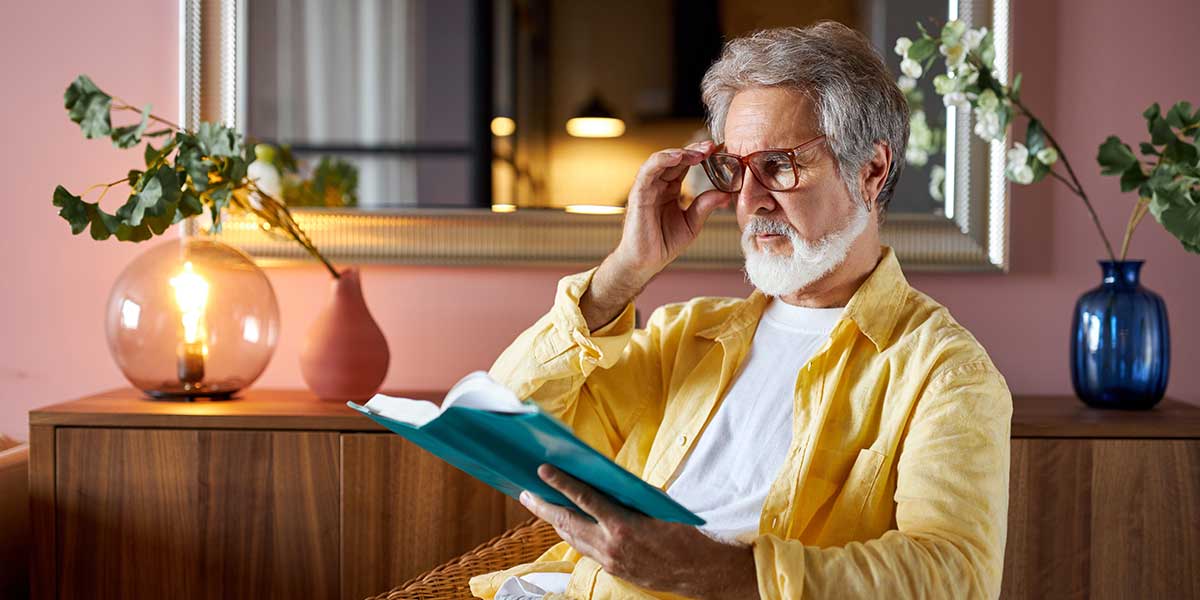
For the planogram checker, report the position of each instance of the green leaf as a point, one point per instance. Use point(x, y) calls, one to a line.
point(1035, 137)
point(1148, 149)
point(135, 208)
point(215, 139)
point(1180, 115)
point(79, 90)
point(1152, 112)
point(1132, 178)
point(1179, 151)
point(189, 205)
point(131, 135)
point(1114, 156)
point(922, 49)
point(89, 107)
point(192, 160)
point(154, 156)
point(1015, 90)
point(96, 121)
point(1180, 216)
point(1160, 131)
point(72, 208)
point(987, 50)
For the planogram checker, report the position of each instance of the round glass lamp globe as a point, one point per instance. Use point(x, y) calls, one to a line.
point(192, 317)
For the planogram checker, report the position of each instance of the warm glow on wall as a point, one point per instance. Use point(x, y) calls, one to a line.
point(503, 126)
point(504, 208)
point(595, 127)
point(594, 209)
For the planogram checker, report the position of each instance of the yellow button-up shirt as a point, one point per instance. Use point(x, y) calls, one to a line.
point(896, 481)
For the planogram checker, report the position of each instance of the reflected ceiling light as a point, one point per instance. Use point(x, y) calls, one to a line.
point(504, 208)
point(595, 209)
point(503, 126)
point(595, 120)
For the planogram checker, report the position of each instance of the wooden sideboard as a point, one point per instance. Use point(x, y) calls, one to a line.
point(277, 494)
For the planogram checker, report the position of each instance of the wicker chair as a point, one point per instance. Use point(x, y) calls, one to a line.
point(518, 545)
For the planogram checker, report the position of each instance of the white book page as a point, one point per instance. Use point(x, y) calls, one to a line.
point(477, 390)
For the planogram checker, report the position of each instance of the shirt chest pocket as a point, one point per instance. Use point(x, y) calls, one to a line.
point(831, 500)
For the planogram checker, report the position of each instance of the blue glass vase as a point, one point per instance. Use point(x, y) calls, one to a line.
point(1120, 343)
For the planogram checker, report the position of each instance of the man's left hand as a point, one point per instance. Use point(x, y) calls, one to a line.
point(653, 554)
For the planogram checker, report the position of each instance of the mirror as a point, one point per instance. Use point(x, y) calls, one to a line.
point(478, 126)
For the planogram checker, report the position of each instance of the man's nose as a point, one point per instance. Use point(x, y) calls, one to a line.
point(754, 197)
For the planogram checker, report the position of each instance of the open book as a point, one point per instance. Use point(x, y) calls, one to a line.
point(483, 429)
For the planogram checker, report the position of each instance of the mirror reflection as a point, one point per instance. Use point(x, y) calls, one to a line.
point(515, 104)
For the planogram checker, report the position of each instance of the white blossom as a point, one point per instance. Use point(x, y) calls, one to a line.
point(1017, 155)
point(988, 100)
point(1018, 168)
point(902, 46)
point(910, 68)
point(1022, 175)
point(953, 31)
point(967, 73)
point(955, 54)
point(973, 37)
point(1047, 156)
point(907, 83)
point(988, 125)
point(943, 84)
point(937, 180)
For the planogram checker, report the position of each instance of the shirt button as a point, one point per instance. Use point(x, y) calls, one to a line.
point(682, 440)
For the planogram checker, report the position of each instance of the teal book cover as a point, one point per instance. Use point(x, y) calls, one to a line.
point(486, 432)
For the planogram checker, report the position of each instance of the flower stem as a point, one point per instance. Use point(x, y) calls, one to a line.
point(279, 216)
point(1078, 189)
point(1139, 211)
point(153, 117)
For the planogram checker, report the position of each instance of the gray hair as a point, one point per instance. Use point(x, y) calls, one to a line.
point(857, 101)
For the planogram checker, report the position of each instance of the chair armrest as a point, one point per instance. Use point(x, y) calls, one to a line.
point(450, 580)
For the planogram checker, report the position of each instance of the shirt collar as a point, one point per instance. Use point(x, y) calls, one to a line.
point(874, 308)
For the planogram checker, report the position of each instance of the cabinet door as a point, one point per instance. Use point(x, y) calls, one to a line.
point(1103, 518)
point(405, 511)
point(145, 513)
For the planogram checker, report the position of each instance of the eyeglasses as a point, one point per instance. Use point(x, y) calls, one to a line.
point(775, 169)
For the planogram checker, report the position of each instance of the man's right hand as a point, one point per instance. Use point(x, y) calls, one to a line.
point(657, 230)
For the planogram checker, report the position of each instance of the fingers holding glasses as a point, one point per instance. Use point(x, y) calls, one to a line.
point(690, 156)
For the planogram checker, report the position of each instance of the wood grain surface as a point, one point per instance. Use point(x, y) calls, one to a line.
point(404, 511)
point(197, 514)
point(1106, 518)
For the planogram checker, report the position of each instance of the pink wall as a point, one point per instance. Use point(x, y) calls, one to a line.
point(1090, 68)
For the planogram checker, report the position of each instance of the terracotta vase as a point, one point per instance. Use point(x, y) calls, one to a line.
point(345, 356)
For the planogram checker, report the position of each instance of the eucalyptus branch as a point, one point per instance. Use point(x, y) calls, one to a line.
point(1078, 188)
point(123, 105)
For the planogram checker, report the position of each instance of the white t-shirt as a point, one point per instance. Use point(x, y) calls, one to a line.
point(730, 469)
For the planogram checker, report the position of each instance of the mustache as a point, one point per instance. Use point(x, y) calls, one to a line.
point(763, 225)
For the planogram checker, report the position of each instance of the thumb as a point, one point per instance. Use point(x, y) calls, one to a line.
point(704, 205)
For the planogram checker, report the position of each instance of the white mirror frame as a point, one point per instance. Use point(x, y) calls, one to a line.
point(972, 236)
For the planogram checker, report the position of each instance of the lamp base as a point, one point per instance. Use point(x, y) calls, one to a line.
point(189, 395)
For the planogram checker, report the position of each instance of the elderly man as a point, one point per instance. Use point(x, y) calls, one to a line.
point(839, 432)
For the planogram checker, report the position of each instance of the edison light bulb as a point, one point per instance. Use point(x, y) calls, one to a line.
point(191, 296)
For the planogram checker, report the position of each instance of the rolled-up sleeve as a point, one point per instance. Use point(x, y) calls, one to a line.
point(951, 507)
point(597, 382)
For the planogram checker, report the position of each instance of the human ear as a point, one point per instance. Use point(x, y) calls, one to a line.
point(874, 174)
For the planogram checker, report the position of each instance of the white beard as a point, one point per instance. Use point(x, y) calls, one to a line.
point(779, 275)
